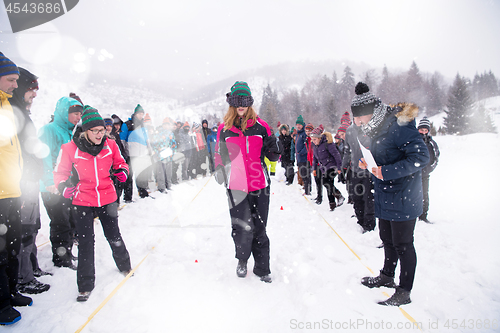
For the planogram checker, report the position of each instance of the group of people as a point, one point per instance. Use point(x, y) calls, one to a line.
point(91, 159)
point(395, 190)
point(80, 164)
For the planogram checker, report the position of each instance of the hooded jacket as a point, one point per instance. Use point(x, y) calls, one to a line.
point(242, 155)
point(398, 147)
point(54, 135)
point(286, 143)
point(11, 161)
point(135, 135)
point(326, 154)
point(94, 186)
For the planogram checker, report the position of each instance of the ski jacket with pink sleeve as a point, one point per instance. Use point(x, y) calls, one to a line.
point(94, 186)
point(242, 154)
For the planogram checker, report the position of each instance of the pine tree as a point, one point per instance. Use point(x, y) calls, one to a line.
point(459, 106)
point(346, 89)
point(414, 91)
point(385, 90)
point(269, 107)
point(435, 95)
point(481, 121)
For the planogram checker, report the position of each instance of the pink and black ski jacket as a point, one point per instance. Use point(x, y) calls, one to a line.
point(95, 187)
point(242, 155)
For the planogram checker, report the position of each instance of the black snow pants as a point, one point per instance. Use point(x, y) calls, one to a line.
point(362, 197)
point(249, 213)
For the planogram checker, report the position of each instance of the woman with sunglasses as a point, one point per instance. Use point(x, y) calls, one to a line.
point(243, 141)
point(83, 174)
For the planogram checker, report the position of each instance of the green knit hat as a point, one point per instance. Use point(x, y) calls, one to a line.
point(300, 120)
point(138, 109)
point(240, 88)
point(91, 118)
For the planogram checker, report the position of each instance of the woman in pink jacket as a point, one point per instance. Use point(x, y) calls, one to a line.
point(83, 172)
point(243, 141)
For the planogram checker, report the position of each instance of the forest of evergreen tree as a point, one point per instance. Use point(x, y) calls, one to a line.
point(323, 99)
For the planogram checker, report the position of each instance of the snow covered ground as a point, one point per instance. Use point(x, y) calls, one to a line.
point(185, 278)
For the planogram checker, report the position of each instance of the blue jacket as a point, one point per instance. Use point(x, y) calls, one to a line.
point(54, 135)
point(300, 146)
point(136, 137)
point(400, 150)
point(211, 140)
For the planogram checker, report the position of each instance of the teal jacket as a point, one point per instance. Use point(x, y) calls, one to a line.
point(54, 135)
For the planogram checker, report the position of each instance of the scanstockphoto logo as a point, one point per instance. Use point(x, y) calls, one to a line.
point(24, 15)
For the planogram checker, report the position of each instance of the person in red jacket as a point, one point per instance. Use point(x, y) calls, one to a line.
point(243, 141)
point(91, 154)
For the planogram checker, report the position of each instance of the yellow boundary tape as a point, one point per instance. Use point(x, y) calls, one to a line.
point(407, 316)
point(120, 285)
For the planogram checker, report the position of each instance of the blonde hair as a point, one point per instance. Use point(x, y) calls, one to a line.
point(231, 118)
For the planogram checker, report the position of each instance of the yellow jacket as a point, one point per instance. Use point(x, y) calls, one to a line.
point(11, 161)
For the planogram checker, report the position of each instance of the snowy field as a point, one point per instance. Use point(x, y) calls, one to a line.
point(185, 278)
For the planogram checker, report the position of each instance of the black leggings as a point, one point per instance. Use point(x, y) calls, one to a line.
point(397, 237)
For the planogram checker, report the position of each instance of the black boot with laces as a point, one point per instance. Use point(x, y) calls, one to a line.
point(379, 281)
point(400, 297)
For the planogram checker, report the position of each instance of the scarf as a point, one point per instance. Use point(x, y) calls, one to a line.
point(380, 113)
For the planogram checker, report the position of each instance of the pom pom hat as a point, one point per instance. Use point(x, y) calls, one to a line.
point(300, 120)
point(364, 101)
point(309, 127)
point(424, 123)
point(7, 66)
point(317, 132)
point(240, 95)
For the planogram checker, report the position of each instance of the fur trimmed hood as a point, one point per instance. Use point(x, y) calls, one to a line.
point(328, 136)
point(406, 112)
point(285, 126)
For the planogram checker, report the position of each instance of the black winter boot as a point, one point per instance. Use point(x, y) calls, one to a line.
point(379, 281)
point(33, 287)
point(332, 206)
point(9, 315)
point(319, 200)
point(16, 299)
point(400, 297)
point(241, 269)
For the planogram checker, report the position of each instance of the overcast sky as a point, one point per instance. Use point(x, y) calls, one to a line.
point(210, 40)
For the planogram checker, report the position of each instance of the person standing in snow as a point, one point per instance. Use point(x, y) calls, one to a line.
point(21, 101)
point(93, 155)
point(327, 159)
point(424, 127)
point(400, 155)
point(11, 169)
point(360, 183)
point(286, 142)
point(301, 150)
point(67, 114)
point(135, 141)
point(211, 140)
point(243, 141)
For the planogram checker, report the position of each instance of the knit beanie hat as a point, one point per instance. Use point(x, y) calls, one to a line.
point(346, 119)
point(186, 125)
point(240, 95)
point(342, 128)
point(424, 123)
point(76, 108)
point(147, 118)
point(27, 81)
point(316, 133)
point(7, 66)
point(204, 121)
point(74, 96)
point(91, 118)
point(300, 120)
point(364, 101)
point(169, 121)
point(138, 109)
point(309, 127)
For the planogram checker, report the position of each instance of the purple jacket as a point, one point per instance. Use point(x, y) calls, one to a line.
point(326, 154)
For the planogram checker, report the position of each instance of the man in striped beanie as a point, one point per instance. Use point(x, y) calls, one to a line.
point(424, 127)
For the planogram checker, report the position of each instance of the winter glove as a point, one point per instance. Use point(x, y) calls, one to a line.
point(342, 177)
point(68, 192)
point(121, 176)
point(220, 174)
point(314, 173)
point(271, 148)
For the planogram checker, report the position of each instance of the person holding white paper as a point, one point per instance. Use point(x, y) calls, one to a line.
point(400, 154)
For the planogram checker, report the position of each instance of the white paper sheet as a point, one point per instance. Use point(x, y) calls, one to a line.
point(367, 155)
